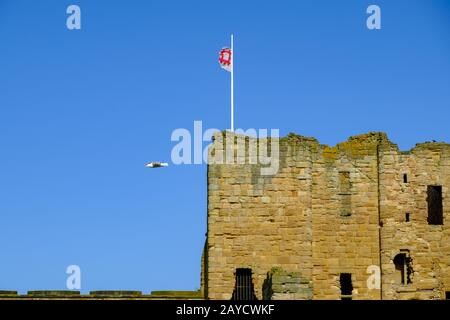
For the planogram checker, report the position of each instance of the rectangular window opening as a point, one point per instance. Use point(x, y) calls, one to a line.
point(346, 286)
point(435, 210)
point(405, 178)
point(407, 217)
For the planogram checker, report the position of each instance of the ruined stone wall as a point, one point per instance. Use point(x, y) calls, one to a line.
point(283, 285)
point(428, 245)
point(259, 222)
point(345, 216)
point(100, 295)
point(319, 216)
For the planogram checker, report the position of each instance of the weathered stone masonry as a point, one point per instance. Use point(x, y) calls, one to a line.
point(326, 216)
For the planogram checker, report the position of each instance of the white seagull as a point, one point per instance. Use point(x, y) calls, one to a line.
point(156, 164)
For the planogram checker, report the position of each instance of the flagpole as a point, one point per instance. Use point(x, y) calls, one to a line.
point(232, 85)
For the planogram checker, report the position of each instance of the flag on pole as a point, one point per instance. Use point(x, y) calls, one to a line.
point(225, 58)
point(226, 61)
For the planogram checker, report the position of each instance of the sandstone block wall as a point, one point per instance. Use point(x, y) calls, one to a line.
point(428, 245)
point(327, 211)
point(282, 285)
point(257, 221)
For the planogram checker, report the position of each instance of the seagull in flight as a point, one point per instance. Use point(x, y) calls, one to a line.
point(156, 164)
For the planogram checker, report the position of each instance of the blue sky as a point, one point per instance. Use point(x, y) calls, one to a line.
point(82, 111)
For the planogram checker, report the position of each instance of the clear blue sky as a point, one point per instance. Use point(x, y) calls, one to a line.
point(81, 112)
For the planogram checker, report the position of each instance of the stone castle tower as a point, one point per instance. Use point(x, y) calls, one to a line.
point(361, 220)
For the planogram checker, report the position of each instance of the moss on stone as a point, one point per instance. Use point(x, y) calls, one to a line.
point(53, 293)
point(8, 293)
point(118, 293)
point(174, 294)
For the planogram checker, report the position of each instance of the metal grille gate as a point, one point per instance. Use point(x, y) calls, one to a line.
point(244, 289)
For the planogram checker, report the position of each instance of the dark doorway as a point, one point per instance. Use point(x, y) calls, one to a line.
point(346, 286)
point(244, 289)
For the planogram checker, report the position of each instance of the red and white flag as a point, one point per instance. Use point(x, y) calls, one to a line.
point(226, 59)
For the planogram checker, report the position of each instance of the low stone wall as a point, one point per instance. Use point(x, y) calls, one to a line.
point(101, 295)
